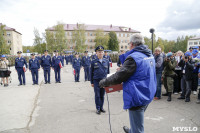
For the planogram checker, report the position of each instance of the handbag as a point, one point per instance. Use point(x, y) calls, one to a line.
point(8, 72)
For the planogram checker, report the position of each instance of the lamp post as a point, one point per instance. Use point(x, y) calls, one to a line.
point(152, 32)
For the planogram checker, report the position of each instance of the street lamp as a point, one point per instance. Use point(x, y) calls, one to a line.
point(152, 31)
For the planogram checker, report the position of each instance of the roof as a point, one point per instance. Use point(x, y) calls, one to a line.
point(10, 29)
point(108, 28)
point(195, 38)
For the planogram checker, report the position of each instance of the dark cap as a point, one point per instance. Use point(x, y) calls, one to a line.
point(19, 52)
point(33, 54)
point(56, 51)
point(99, 48)
point(86, 52)
point(76, 53)
point(46, 51)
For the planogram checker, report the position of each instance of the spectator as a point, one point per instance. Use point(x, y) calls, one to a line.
point(168, 74)
point(186, 80)
point(177, 78)
point(195, 59)
point(4, 70)
point(159, 68)
point(198, 98)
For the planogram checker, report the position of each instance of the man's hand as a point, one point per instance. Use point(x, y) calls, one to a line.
point(92, 85)
point(118, 69)
point(30, 70)
point(38, 69)
point(101, 83)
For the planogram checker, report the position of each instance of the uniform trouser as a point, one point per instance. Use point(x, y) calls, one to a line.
point(77, 74)
point(136, 118)
point(99, 95)
point(168, 83)
point(87, 73)
point(21, 75)
point(158, 91)
point(186, 87)
point(47, 72)
point(66, 62)
point(57, 74)
point(177, 81)
point(34, 73)
point(194, 81)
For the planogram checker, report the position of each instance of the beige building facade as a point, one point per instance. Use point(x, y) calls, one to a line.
point(14, 39)
point(123, 35)
point(192, 42)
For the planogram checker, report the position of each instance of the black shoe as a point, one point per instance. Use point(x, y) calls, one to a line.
point(166, 94)
point(187, 100)
point(19, 84)
point(59, 82)
point(181, 98)
point(45, 83)
point(98, 112)
point(56, 81)
point(126, 129)
point(36, 84)
point(102, 110)
point(169, 97)
point(24, 84)
point(33, 84)
point(49, 82)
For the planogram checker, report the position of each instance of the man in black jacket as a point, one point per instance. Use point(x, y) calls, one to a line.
point(186, 80)
point(138, 75)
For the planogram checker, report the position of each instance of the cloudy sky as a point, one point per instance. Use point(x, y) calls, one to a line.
point(170, 18)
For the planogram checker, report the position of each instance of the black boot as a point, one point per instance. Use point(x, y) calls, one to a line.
point(169, 97)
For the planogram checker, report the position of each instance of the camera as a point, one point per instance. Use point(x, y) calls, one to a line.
point(186, 57)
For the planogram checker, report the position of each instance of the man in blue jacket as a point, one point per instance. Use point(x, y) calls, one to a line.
point(76, 64)
point(57, 64)
point(46, 66)
point(86, 62)
point(99, 69)
point(67, 58)
point(34, 67)
point(20, 66)
point(138, 75)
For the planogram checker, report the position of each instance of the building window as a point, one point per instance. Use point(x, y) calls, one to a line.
point(125, 47)
point(8, 34)
point(90, 34)
point(70, 33)
point(117, 34)
point(195, 43)
point(9, 42)
point(91, 47)
point(190, 43)
point(125, 41)
point(90, 40)
point(125, 35)
point(121, 41)
point(122, 47)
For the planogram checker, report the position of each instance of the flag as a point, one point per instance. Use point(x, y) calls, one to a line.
point(60, 64)
point(110, 64)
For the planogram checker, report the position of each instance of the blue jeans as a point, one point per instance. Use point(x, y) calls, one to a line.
point(158, 90)
point(136, 118)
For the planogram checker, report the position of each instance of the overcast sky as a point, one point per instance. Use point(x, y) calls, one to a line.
point(169, 18)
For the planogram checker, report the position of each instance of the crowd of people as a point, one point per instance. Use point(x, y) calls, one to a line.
point(178, 72)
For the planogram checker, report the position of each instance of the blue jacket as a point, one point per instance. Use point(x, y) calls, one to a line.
point(196, 68)
point(86, 61)
point(46, 62)
point(56, 61)
point(19, 63)
point(76, 63)
point(140, 88)
point(159, 63)
point(34, 64)
point(67, 58)
point(94, 57)
point(107, 57)
point(99, 70)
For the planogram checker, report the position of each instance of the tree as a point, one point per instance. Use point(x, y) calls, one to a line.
point(113, 43)
point(60, 37)
point(101, 39)
point(50, 41)
point(30, 48)
point(37, 41)
point(4, 47)
point(78, 37)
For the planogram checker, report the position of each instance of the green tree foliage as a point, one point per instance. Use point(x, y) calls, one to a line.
point(113, 43)
point(50, 41)
point(4, 47)
point(101, 39)
point(37, 42)
point(60, 37)
point(78, 37)
point(30, 48)
point(169, 45)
